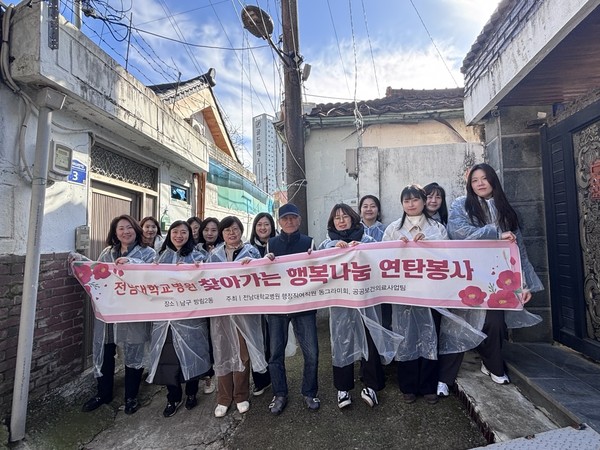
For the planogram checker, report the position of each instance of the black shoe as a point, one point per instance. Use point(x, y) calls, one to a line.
point(93, 404)
point(190, 402)
point(131, 405)
point(171, 409)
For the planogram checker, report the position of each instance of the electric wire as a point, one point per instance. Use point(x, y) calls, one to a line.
point(358, 119)
point(362, 2)
point(338, 46)
point(434, 45)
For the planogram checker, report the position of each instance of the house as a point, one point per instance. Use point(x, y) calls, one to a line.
point(116, 147)
point(379, 146)
point(532, 79)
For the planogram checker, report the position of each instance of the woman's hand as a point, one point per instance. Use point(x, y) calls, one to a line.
point(508, 236)
point(403, 239)
point(198, 263)
point(341, 244)
point(353, 244)
point(245, 261)
point(271, 256)
point(525, 295)
point(122, 260)
point(419, 237)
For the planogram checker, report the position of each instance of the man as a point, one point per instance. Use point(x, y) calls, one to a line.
point(288, 242)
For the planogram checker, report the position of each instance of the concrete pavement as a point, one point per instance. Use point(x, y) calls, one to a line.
point(479, 412)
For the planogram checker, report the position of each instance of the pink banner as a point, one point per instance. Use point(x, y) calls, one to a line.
point(451, 274)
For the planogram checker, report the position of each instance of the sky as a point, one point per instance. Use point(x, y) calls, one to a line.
point(356, 48)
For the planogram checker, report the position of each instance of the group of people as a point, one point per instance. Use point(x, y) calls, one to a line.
point(427, 343)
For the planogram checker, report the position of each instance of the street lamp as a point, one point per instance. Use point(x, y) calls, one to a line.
point(260, 24)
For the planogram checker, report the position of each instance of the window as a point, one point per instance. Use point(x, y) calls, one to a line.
point(179, 192)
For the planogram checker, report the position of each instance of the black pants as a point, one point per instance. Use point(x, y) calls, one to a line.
point(175, 393)
point(490, 349)
point(371, 370)
point(133, 377)
point(420, 376)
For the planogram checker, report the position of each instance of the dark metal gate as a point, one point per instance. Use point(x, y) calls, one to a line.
point(571, 164)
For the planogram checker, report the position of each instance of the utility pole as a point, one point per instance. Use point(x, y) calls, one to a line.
point(260, 24)
point(292, 111)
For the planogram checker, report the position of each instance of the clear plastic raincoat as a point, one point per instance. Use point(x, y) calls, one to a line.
point(190, 336)
point(416, 323)
point(131, 337)
point(224, 329)
point(347, 326)
point(461, 227)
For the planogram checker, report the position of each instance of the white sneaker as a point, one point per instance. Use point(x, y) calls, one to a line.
point(496, 379)
point(243, 407)
point(209, 387)
point(344, 399)
point(442, 389)
point(369, 396)
point(221, 410)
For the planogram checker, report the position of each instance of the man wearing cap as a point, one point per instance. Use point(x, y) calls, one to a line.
point(288, 242)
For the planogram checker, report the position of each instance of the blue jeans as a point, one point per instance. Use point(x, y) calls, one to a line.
point(305, 328)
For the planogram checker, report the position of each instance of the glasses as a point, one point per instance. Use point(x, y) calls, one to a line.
point(232, 230)
point(341, 218)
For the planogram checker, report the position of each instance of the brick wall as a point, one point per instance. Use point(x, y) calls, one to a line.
point(58, 336)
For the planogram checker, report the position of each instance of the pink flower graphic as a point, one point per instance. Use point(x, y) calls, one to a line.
point(503, 299)
point(472, 296)
point(509, 280)
point(101, 271)
point(83, 273)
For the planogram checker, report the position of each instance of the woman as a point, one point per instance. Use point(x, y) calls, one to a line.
point(356, 334)
point(201, 230)
point(370, 215)
point(485, 213)
point(195, 223)
point(237, 340)
point(152, 236)
point(263, 228)
point(417, 355)
point(125, 245)
point(436, 203)
point(208, 235)
point(179, 349)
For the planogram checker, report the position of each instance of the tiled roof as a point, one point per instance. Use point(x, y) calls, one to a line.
point(167, 91)
point(395, 101)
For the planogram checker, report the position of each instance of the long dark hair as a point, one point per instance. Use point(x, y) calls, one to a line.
point(253, 235)
point(347, 209)
point(413, 191)
point(507, 217)
point(112, 239)
point(197, 220)
point(187, 248)
point(434, 188)
point(377, 203)
point(203, 225)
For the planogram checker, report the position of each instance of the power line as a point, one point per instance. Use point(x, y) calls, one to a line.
point(370, 46)
point(338, 45)
point(433, 42)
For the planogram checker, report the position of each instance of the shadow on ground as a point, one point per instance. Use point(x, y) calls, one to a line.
point(56, 422)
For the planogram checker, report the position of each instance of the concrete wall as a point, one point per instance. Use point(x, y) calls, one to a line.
point(515, 152)
point(391, 156)
point(499, 70)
